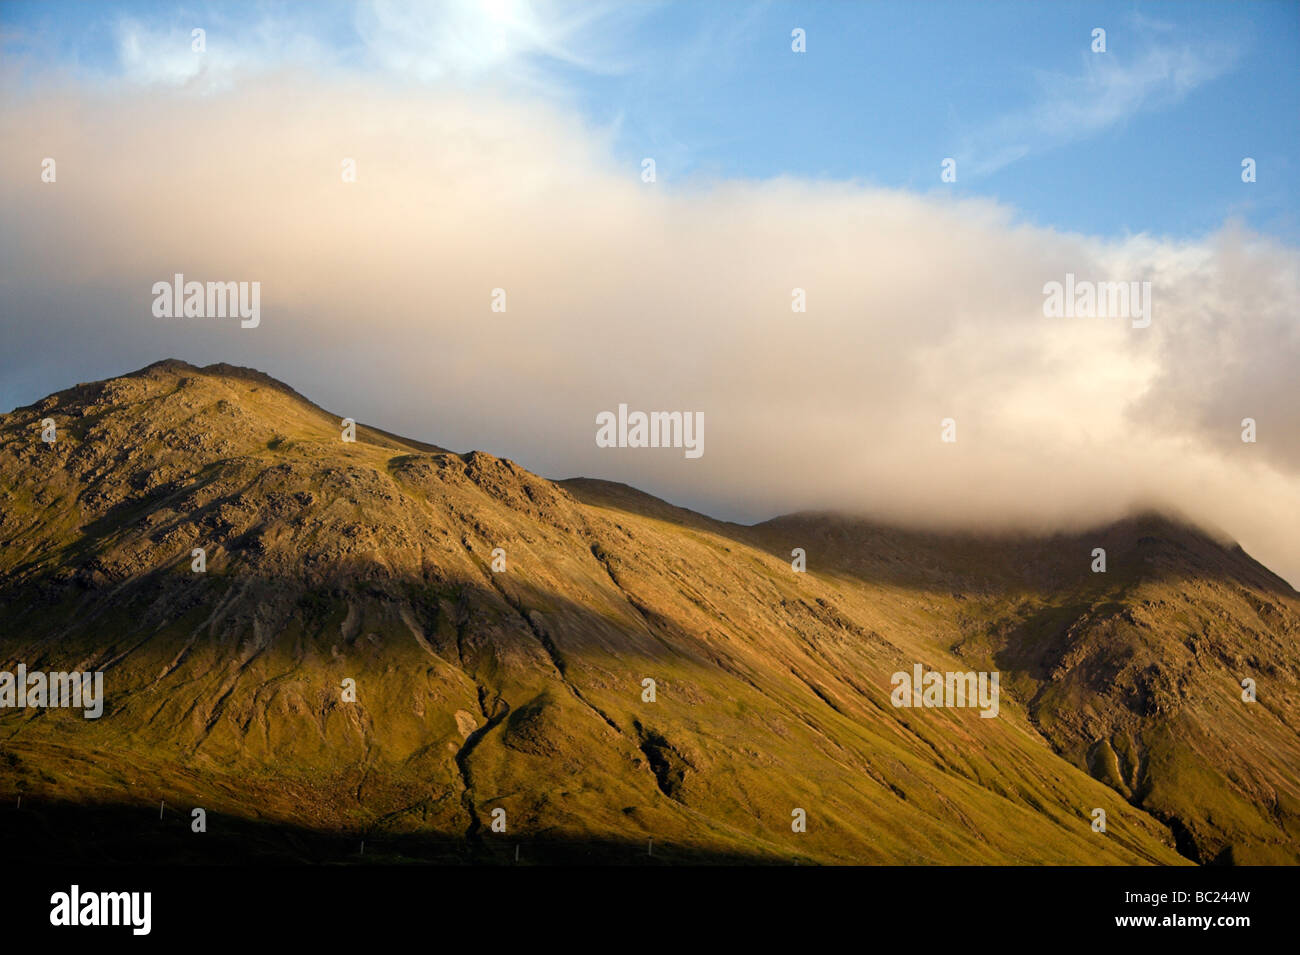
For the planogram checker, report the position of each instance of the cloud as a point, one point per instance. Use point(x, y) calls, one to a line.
point(150, 54)
point(1110, 88)
point(376, 302)
point(473, 39)
point(535, 45)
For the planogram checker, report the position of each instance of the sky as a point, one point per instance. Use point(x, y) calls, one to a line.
point(502, 145)
point(1147, 137)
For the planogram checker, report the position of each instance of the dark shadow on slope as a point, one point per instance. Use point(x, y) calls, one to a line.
point(61, 833)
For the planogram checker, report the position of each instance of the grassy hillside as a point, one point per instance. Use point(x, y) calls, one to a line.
point(522, 690)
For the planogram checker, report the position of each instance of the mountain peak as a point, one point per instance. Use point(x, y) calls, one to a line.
point(208, 540)
point(176, 367)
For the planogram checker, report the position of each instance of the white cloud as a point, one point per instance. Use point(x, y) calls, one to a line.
point(506, 44)
point(150, 54)
point(500, 40)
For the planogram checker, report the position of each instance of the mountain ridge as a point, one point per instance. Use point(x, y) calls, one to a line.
point(604, 490)
point(522, 689)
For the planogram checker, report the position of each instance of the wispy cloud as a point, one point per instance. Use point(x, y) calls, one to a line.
point(467, 39)
point(502, 43)
point(1110, 89)
point(154, 54)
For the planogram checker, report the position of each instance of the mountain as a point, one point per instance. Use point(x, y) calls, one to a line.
point(522, 688)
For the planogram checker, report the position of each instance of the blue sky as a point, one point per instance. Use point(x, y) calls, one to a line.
point(1146, 137)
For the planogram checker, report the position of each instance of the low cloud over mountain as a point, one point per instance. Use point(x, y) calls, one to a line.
point(674, 294)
